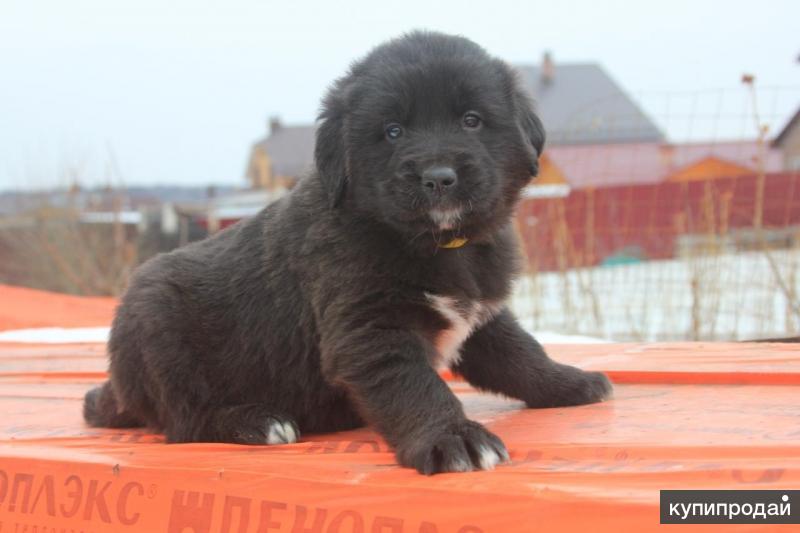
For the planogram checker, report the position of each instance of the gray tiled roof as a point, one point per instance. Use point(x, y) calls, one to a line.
point(583, 105)
point(790, 125)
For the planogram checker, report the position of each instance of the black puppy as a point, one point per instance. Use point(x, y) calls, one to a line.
point(335, 305)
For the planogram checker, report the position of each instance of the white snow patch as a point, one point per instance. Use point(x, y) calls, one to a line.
point(56, 335)
point(546, 337)
point(451, 341)
point(730, 296)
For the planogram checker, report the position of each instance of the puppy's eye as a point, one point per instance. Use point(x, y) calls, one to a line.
point(393, 131)
point(471, 120)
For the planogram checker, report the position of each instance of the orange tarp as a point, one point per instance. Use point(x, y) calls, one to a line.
point(22, 308)
point(684, 416)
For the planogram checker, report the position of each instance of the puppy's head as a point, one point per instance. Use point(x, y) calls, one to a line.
point(429, 135)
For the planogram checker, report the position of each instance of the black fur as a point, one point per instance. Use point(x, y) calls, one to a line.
point(318, 312)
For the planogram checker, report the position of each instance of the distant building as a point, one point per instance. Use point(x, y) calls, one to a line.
point(278, 160)
point(788, 141)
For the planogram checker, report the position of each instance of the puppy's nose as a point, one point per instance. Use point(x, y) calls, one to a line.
point(439, 179)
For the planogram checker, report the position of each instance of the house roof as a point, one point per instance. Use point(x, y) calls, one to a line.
point(793, 122)
point(604, 165)
point(581, 104)
point(743, 152)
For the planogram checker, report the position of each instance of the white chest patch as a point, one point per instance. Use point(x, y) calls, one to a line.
point(464, 318)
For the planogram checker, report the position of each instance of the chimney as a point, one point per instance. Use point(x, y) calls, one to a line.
point(274, 124)
point(548, 70)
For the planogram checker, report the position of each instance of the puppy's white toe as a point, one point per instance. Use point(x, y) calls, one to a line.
point(460, 465)
point(488, 458)
point(279, 432)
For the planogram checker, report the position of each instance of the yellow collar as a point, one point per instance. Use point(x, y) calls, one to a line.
point(457, 242)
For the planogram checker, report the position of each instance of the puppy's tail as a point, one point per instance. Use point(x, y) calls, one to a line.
point(101, 409)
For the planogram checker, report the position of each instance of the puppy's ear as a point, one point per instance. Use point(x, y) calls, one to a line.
point(330, 152)
point(532, 130)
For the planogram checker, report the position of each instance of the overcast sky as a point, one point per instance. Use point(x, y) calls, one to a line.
point(172, 91)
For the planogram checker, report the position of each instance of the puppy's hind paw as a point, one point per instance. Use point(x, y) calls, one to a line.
point(281, 431)
point(255, 424)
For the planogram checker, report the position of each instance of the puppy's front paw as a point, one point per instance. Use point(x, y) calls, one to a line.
point(597, 388)
point(571, 386)
point(460, 447)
